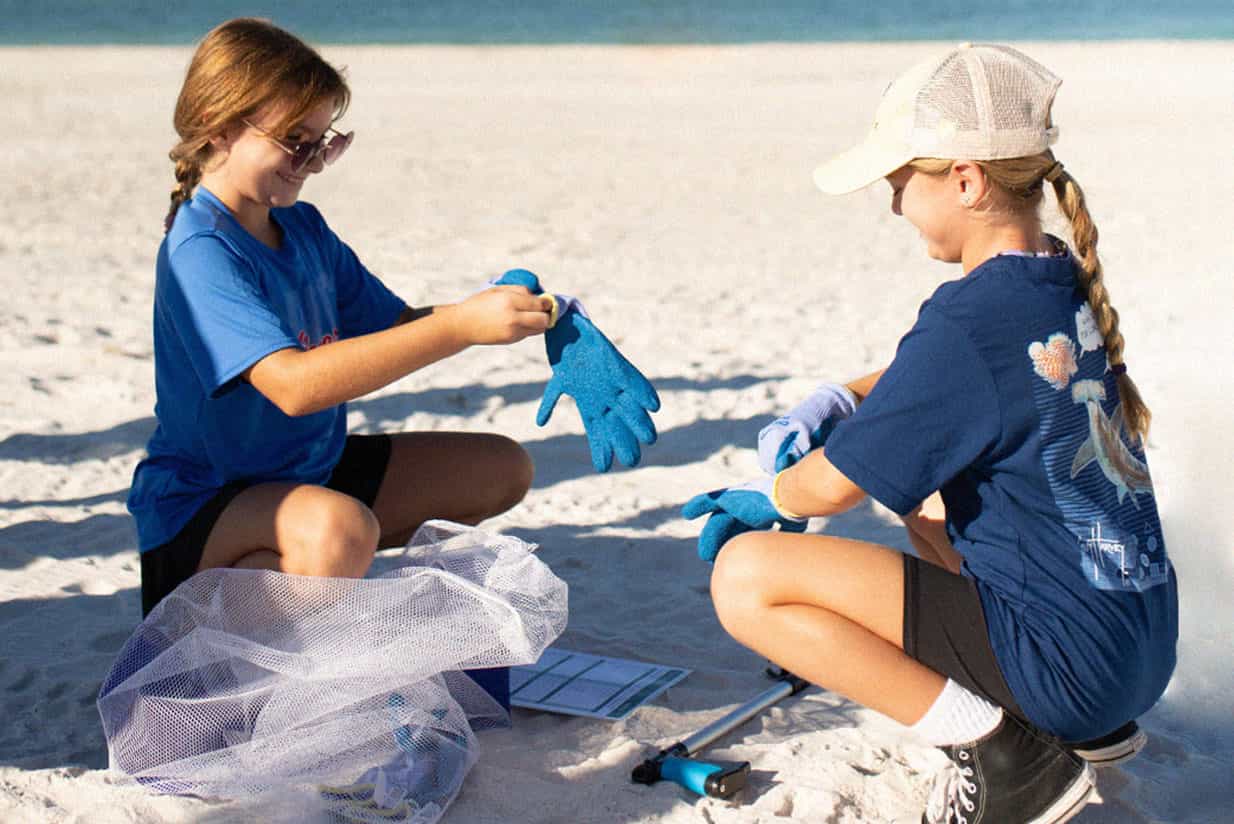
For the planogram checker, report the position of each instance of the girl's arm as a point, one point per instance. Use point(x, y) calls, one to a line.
point(302, 382)
point(814, 486)
point(863, 386)
point(413, 313)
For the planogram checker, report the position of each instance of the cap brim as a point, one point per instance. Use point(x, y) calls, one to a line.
point(866, 163)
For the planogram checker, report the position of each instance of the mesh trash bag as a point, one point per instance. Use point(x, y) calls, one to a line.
point(345, 692)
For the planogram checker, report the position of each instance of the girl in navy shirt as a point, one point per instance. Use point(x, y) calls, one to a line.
point(1041, 617)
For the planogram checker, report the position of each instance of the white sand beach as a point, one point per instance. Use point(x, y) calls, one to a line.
point(670, 189)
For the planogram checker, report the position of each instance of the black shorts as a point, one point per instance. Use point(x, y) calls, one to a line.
point(945, 629)
point(358, 473)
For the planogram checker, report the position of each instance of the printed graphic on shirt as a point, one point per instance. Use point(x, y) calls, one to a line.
point(1054, 360)
point(306, 341)
point(308, 306)
point(1097, 473)
point(1106, 446)
point(1113, 564)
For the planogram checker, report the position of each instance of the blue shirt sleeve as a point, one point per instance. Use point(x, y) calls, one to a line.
point(214, 303)
point(934, 413)
point(365, 304)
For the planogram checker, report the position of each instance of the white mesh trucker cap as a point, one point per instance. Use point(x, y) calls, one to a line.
point(977, 102)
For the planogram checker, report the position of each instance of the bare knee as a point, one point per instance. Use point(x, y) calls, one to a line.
point(512, 476)
point(339, 539)
point(735, 590)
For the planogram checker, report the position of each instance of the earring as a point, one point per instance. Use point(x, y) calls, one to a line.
point(966, 200)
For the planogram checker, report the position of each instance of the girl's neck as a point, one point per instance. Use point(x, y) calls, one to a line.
point(1025, 236)
point(253, 216)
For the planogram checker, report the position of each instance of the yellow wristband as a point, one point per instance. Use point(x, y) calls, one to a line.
point(775, 499)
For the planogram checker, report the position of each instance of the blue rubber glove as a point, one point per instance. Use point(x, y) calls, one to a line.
point(735, 510)
point(805, 428)
point(612, 396)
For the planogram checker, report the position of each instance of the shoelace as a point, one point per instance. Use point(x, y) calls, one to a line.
point(950, 801)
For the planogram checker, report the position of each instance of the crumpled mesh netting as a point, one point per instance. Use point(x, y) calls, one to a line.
point(342, 694)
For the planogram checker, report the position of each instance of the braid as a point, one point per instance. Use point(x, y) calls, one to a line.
point(1092, 279)
point(188, 175)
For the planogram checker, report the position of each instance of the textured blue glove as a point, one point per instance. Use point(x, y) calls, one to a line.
point(735, 510)
point(806, 427)
point(612, 396)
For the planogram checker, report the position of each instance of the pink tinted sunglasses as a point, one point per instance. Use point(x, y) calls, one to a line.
point(329, 146)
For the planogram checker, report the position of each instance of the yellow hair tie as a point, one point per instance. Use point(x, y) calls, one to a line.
point(553, 310)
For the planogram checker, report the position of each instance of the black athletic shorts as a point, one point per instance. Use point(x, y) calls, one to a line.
point(945, 629)
point(358, 473)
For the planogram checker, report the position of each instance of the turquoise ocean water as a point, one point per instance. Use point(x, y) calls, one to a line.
point(634, 21)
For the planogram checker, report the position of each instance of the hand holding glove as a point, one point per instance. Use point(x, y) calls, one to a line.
point(806, 427)
point(737, 509)
point(612, 396)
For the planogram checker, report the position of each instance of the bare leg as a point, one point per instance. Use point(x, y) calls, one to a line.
point(312, 530)
point(830, 610)
point(457, 476)
point(261, 559)
point(297, 528)
point(927, 530)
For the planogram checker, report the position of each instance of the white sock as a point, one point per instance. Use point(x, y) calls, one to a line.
point(957, 716)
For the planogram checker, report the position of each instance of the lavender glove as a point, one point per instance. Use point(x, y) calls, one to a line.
point(806, 427)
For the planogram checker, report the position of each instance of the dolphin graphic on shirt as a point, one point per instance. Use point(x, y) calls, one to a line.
point(1105, 445)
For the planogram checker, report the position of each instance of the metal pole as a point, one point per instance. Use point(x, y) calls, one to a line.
point(741, 714)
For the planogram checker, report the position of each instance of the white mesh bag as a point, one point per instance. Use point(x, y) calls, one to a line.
point(342, 695)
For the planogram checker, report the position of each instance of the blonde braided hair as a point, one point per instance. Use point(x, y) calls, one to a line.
point(1019, 183)
point(189, 167)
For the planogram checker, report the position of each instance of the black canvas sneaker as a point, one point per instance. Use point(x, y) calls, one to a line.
point(1014, 775)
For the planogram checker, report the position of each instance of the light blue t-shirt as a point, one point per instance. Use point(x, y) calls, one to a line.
point(223, 301)
point(1001, 397)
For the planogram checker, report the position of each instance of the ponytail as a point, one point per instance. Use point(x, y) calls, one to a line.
point(1091, 279)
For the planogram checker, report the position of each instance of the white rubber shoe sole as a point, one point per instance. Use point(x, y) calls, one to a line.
point(1113, 749)
point(1072, 800)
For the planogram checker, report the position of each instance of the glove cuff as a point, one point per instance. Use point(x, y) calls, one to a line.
point(564, 304)
point(844, 403)
point(784, 511)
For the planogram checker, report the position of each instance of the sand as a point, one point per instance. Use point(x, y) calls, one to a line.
point(669, 187)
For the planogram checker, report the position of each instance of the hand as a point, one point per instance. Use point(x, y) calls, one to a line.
point(612, 396)
point(735, 510)
point(806, 427)
point(502, 314)
point(560, 303)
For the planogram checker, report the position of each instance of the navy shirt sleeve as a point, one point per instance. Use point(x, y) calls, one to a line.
point(934, 413)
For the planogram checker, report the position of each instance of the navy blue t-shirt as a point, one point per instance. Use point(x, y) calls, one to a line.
point(1001, 397)
point(222, 302)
